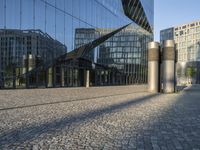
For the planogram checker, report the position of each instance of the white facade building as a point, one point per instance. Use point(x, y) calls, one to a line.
point(187, 39)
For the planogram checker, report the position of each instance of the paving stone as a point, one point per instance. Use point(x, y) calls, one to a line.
point(112, 118)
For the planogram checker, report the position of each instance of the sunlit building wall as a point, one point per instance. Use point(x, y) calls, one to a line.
point(187, 39)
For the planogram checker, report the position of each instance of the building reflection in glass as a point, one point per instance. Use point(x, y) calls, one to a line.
point(45, 29)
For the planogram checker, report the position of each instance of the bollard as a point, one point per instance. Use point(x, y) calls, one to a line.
point(87, 78)
point(50, 77)
point(62, 76)
point(168, 66)
point(153, 66)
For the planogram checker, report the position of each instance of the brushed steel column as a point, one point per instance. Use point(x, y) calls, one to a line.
point(168, 64)
point(62, 76)
point(87, 78)
point(153, 66)
point(50, 77)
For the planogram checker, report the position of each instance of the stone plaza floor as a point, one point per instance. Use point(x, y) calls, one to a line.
point(107, 118)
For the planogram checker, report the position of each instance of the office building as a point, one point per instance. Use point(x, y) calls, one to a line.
point(187, 39)
point(15, 45)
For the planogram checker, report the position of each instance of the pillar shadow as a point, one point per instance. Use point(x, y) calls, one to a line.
point(177, 126)
point(24, 134)
point(64, 101)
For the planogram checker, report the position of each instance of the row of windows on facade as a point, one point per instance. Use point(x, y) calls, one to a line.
point(112, 44)
point(189, 50)
point(193, 43)
point(188, 56)
point(168, 33)
point(122, 55)
point(187, 26)
point(23, 44)
point(188, 31)
point(132, 66)
point(197, 53)
point(123, 58)
point(120, 39)
point(123, 44)
point(125, 48)
point(121, 61)
point(189, 38)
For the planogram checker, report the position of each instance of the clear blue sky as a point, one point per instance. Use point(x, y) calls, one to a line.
point(169, 13)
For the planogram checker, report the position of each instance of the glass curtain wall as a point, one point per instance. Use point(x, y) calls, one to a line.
point(45, 29)
point(127, 52)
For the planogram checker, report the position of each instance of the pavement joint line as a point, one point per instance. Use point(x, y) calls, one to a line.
point(73, 100)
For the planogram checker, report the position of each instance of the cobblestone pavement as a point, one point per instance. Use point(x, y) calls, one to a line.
point(29, 97)
point(106, 118)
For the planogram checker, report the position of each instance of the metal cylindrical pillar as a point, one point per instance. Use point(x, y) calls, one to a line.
point(153, 66)
point(87, 78)
point(62, 76)
point(50, 77)
point(168, 66)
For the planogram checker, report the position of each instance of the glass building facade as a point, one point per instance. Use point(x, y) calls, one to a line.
point(47, 29)
point(167, 34)
point(127, 52)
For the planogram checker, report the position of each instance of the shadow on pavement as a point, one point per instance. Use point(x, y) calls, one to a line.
point(177, 127)
point(65, 101)
point(24, 134)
